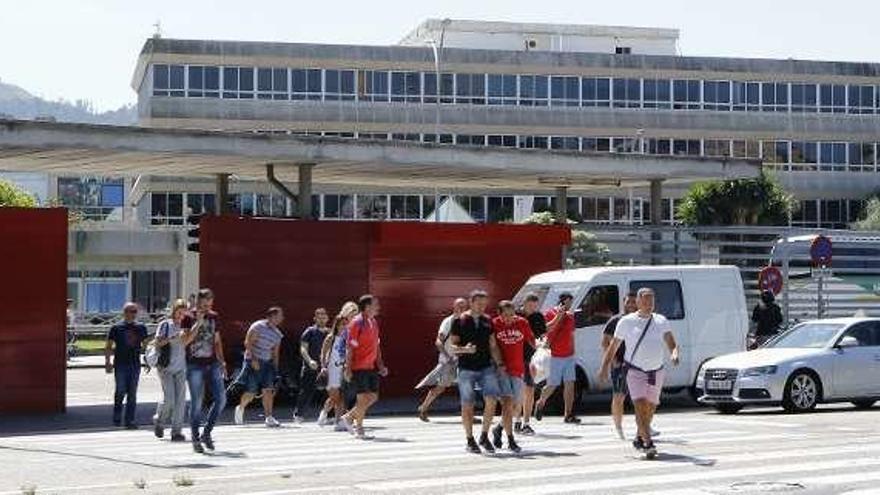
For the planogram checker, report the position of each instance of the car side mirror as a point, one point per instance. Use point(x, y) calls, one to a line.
point(848, 341)
point(581, 318)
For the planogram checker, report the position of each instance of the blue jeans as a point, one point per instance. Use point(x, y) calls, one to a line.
point(561, 370)
point(487, 378)
point(196, 376)
point(127, 377)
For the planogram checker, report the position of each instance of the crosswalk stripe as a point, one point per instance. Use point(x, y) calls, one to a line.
point(629, 482)
point(519, 474)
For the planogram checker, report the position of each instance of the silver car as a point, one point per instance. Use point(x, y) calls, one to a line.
point(834, 360)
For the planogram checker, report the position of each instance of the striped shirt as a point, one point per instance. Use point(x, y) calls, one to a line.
point(267, 338)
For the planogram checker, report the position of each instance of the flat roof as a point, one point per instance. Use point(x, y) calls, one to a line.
point(494, 27)
point(219, 52)
point(35, 146)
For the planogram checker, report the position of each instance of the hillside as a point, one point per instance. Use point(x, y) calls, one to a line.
point(17, 103)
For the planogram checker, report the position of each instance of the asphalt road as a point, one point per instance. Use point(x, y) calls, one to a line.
point(758, 451)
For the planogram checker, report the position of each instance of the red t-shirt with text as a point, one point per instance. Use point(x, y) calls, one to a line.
point(511, 338)
point(363, 337)
point(561, 337)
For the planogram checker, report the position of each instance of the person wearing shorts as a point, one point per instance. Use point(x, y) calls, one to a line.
point(443, 375)
point(539, 327)
point(512, 333)
point(618, 372)
point(333, 365)
point(560, 335)
point(647, 336)
point(364, 363)
point(260, 366)
point(474, 343)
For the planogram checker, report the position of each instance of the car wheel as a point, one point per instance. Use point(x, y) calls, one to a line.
point(864, 403)
point(728, 408)
point(802, 392)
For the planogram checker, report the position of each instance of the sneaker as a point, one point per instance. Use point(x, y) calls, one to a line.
point(238, 418)
point(208, 442)
point(572, 420)
point(512, 445)
point(177, 437)
point(650, 451)
point(346, 423)
point(423, 415)
point(517, 427)
point(638, 444)
point(271, 422)
point(496, 436)
point(322, 418)
point(359, 433)
point(158, 429)
point(197, 447)
point(619, 431)
point(539, 412)
point(472, 446)
point(131, 426)
point(486, 444)
point(339, 426)
point(527, 430)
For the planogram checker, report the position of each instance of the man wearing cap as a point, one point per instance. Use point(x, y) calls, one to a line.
point(125, 342)
point(560, 336)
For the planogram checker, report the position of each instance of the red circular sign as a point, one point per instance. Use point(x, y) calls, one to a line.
point(820, 250)
point(770, 278)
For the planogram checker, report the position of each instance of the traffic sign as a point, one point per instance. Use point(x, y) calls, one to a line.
point(820, 251)
point(770, 278)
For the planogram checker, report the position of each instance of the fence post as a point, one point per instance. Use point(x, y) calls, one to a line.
point(785, 286)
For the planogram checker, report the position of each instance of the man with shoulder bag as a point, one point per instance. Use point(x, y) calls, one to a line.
point(645, 335)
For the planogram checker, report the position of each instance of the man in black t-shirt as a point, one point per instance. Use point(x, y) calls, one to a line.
point(539, 327)
point(618, 374)
point(473, 340)
point(125, 341)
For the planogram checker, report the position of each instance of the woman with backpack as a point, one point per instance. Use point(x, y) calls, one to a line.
point(172, 374)
point(333, 364)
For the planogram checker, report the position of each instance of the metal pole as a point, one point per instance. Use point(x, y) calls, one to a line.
point(819, 295)
point(785, 281)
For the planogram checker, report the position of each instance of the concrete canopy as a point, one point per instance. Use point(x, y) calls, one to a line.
point(36, 146)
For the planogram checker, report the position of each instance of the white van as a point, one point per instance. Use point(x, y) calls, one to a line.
point(705, 305)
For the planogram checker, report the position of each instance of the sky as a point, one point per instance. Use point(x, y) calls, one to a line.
point(87, 49)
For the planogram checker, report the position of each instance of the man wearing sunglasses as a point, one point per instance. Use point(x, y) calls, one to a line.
point(125, 342)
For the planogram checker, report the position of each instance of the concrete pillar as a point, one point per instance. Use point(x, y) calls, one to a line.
point(305, 190)
point(221, 199)
point(656, 221)
point(656, 202)
point(561, 213)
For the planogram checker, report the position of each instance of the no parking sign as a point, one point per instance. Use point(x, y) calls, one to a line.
point(820, 251)
point(770, 278)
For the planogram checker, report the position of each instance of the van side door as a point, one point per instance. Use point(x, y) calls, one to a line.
point(599, 302)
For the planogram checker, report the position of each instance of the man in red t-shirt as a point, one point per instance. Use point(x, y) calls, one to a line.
point(560, 336)
point(363, 363)
point(512, 334)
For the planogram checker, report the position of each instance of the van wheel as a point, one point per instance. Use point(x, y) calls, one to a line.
point(803, 391)
point(864, 403)
point(728, 408)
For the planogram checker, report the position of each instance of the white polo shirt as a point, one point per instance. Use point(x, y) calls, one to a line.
point(651, 353)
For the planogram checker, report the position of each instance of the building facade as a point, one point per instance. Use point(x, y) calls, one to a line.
point(815, 124)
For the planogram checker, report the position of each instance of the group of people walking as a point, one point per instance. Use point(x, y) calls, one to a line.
point(492, 355)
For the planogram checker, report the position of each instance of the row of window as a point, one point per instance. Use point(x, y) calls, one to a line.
point(105, 292)
point(781, 154)
point(274, 83)
point(831, 213)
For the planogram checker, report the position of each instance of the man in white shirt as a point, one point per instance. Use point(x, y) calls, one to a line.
point(443, 375)
point(646, 335)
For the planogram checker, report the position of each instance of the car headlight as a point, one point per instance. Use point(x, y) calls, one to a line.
point(760, 371)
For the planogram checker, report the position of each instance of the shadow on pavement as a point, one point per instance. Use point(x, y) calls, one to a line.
point(105, 458)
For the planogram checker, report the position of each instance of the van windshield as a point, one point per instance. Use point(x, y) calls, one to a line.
point(548, 294)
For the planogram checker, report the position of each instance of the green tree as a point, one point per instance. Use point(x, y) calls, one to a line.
point(870, 218)
point(758, 201)
point(12, 195)
point(584, 249)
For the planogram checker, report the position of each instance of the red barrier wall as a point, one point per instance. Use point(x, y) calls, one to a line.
point(415, 269)
point(33, 294)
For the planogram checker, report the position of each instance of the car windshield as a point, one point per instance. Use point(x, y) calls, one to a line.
point(807, 335)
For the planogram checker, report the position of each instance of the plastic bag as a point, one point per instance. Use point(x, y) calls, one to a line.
point(540, 364)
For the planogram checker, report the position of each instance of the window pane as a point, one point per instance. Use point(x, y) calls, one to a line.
point(667, 296)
